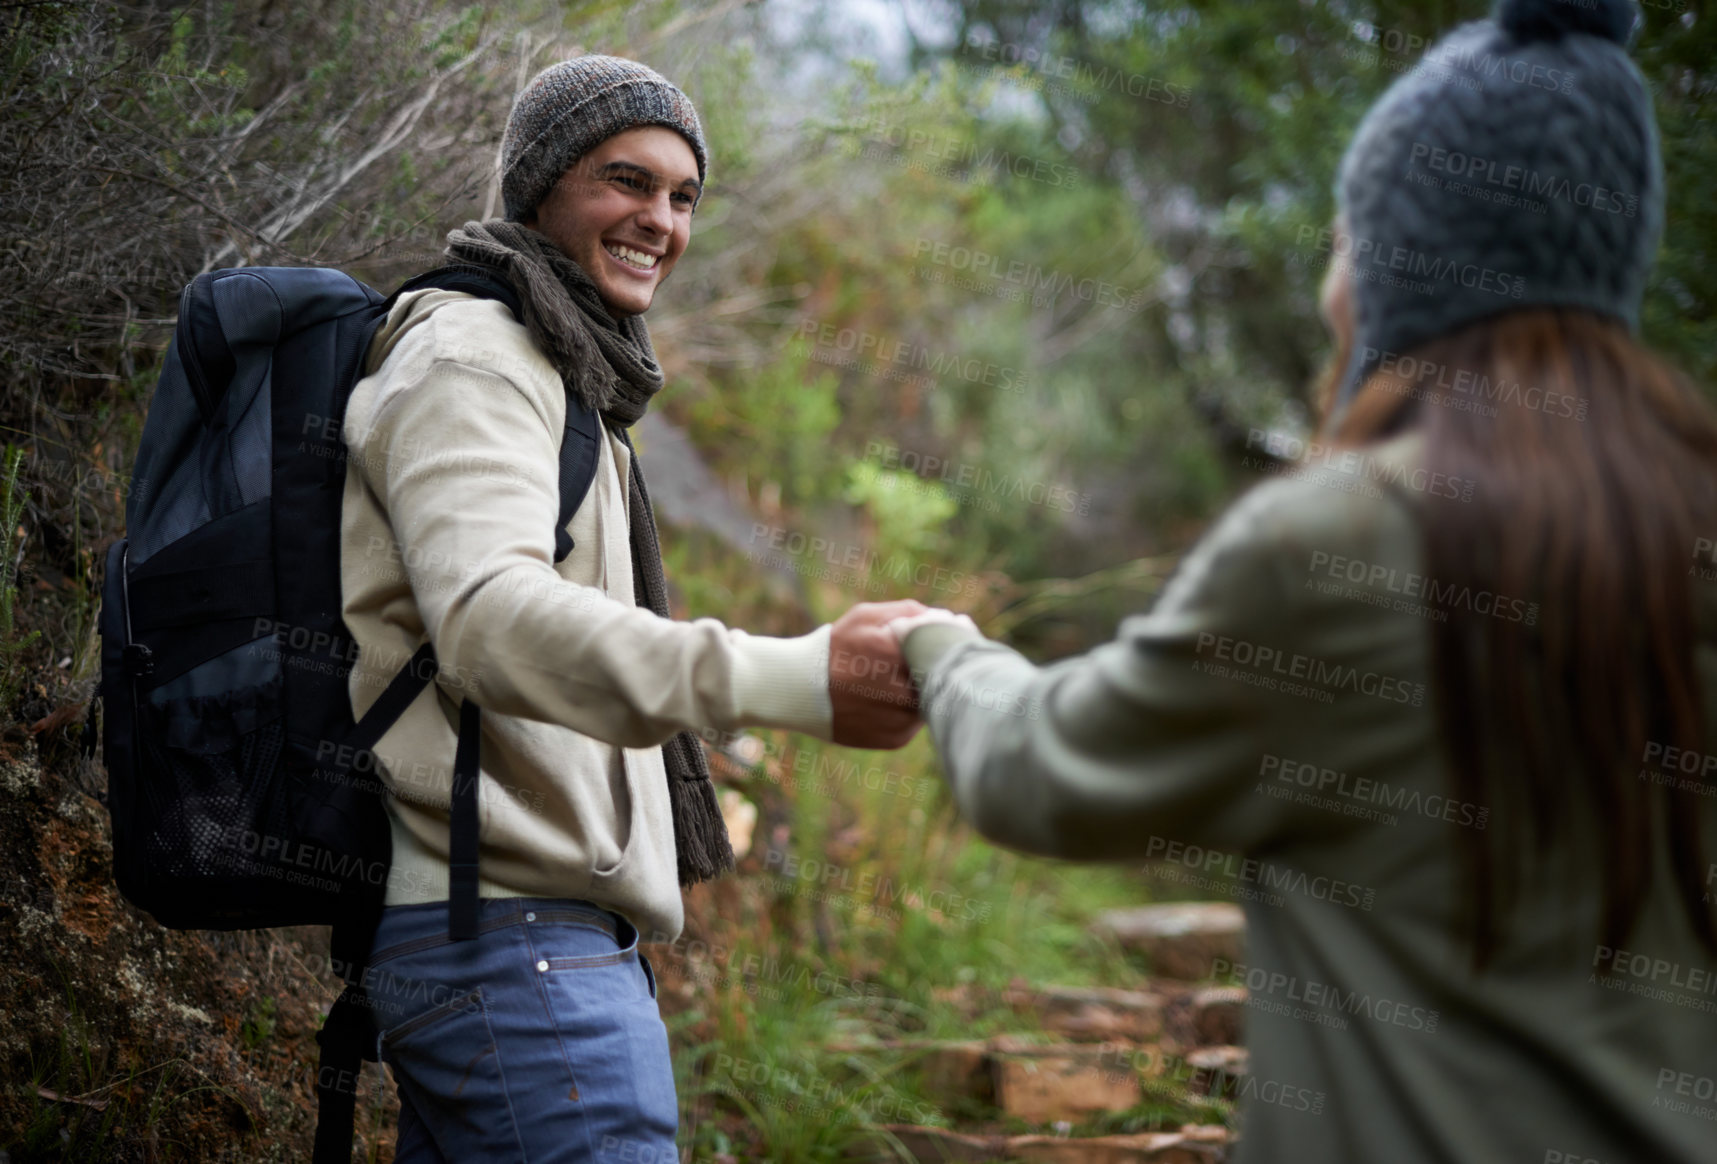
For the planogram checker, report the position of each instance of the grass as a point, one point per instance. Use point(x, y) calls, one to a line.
point(73, 1118)
point(258, 1026)
point(878, 917)
point(867, 915)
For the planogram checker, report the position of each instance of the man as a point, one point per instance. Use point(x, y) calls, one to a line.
point(540, 1039)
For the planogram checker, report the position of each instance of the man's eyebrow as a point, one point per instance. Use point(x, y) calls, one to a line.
point(634, 167)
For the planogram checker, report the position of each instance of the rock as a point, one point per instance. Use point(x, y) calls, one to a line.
point(1038, 1083)
point(1191, 1145)
point(958, 1071)
point(1144, 1148)
point(1216, 1071)
point(1218, 1014)
point(1093, 1014)
point(1181, 940)
point(928, 1144)
point(740, 816)
point(1042, 1085)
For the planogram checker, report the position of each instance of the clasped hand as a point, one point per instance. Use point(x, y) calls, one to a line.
point(871, 691)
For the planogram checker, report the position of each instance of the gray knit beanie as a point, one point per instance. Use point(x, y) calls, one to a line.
point(571, 108)
point(1516, 165)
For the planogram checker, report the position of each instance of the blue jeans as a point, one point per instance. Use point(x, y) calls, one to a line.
point(539, 1041)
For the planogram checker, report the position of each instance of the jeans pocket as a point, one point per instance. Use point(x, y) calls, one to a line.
point(447, 1062)
point(603, 1009)
point(606, 950)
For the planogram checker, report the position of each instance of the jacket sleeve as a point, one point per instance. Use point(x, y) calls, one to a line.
point(460, 444)
point(1180, 730)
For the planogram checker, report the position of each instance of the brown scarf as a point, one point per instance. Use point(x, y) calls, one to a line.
point(611, 365)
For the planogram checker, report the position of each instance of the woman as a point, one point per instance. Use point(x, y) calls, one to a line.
point(1445, 695)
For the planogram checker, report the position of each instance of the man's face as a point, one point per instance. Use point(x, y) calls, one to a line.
point(623, 212)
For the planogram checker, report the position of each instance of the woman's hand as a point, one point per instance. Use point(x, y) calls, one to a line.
point(905, 626)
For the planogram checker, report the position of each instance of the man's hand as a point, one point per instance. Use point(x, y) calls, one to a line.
point(870, 691)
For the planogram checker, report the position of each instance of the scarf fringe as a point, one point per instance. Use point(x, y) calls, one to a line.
point(700, 833)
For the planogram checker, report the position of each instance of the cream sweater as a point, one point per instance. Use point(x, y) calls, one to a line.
point(451, 497)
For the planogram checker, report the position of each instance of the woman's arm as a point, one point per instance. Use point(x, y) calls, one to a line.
point(1180, 729)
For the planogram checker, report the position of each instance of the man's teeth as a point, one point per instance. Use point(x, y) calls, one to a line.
point(631, 257)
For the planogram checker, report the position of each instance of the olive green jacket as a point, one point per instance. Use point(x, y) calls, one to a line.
point(1267, 731)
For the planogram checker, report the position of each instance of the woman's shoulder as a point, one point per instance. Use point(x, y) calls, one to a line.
point(1342, 501)
point(1333, 516)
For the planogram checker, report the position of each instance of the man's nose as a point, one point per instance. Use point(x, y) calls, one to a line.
point(657, 215)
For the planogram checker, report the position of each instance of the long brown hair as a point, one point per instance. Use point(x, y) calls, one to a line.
point(1595, 466)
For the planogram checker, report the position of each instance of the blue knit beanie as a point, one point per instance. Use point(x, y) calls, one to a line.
point(1517, 165)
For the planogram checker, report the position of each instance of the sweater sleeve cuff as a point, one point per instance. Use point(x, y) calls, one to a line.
point(784, 683)
point(925, 646)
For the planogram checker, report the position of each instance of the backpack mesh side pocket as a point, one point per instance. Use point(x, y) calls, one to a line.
point(211, 783)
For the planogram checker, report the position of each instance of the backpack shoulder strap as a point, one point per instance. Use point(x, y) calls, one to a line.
point(578, 455)
point(478, 281)
point(579, 449)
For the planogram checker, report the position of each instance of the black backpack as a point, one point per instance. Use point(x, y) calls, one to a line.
point(243, 794)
